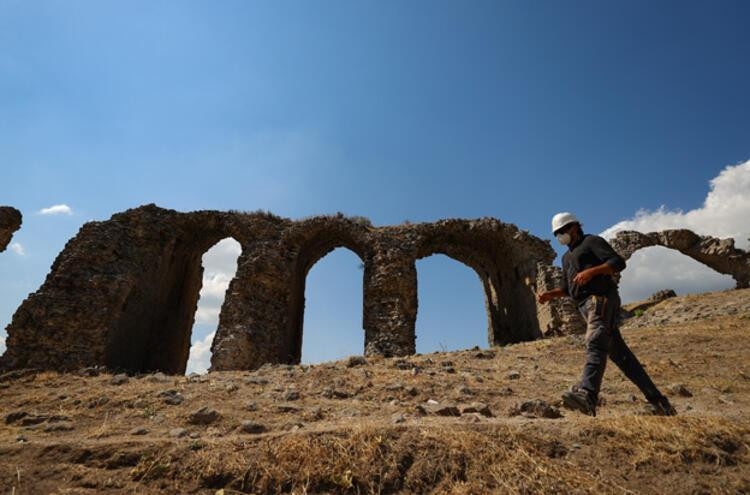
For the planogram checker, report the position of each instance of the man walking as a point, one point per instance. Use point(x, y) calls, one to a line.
point(588, 267)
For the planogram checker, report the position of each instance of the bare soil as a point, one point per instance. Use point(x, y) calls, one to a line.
point(344, 427)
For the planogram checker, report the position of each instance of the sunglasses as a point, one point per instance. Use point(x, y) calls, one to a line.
point(564, 229)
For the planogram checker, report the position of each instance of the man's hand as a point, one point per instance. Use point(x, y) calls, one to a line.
point(585, 276)
point(546, 296)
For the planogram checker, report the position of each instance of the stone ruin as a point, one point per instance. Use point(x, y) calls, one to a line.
point(719, 254)
point(561, 317)
point(558, 316)
point(123, 293)
point(10, 221)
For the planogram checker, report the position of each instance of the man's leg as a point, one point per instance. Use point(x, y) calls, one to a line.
point(624, 358)
point(598, 341)
point(583, 397)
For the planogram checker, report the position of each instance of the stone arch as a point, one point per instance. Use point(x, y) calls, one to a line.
point(333, 325)
point(154, 331)
point(464, 329)
point(506, 275)
point(123, 291)
point(656, 268)
point(309, 243)
point(475, 257)
point(719, 254)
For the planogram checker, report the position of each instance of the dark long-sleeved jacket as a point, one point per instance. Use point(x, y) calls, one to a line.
point(589, 251)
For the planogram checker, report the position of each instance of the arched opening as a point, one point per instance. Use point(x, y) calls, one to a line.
point(153, 332)
point(219, 268)
point(331, 327)
point(510, 304)
point(655, 268)
point(452, 311)
point(318, 237)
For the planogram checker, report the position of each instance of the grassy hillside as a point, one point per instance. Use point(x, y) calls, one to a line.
point(473, 421)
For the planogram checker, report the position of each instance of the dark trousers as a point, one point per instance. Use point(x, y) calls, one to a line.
point(603, 339)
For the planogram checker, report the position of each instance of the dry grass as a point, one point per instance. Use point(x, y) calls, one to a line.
point(351, 445)
point(466, 458)
point(387, 460)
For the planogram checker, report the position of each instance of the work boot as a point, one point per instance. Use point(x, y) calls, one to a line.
point(578, 399)
point(660, 407)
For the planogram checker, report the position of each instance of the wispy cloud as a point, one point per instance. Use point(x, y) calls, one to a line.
point(724, 213)
point(61, 209)
point(200, 355)
point(208, 315)
point(17, 248)
point(219, 267)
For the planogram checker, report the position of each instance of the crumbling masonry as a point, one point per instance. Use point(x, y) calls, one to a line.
point(123, 292)
point(559, 316)
point(719, 254)
point(10, 221)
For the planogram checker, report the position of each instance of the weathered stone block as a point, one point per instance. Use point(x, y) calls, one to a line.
point(10, 221)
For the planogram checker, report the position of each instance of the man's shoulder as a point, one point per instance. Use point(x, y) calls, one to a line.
point(593, 239)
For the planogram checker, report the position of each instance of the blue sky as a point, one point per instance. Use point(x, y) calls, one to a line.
point(391, 110)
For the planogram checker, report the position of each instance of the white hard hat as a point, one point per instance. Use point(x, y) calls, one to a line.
point(562, 219)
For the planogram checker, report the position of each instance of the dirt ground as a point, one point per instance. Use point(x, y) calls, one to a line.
point(452, 422)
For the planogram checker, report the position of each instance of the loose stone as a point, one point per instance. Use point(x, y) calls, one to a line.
point(679, 389)
point(536, 408)
point(476, 407)
point(356, 361)
point(204, 416)
point(177, 432)
point(252, 427)
point(120, 379)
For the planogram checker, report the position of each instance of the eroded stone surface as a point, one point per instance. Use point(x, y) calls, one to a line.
point(558, 316)
point(719, 254)
point(123, 292)
point(10, 221)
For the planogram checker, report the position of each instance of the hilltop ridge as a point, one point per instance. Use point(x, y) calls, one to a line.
point(473, 421)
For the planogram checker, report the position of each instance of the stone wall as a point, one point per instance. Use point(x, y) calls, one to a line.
point(10, 221)
point(719, 254)
point(123, 292)
point(559, 316)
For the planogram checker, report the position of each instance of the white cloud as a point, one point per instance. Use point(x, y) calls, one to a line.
point(17, 248)
point(215, 284)
point(2, 344)
point(219, 267)
point(62, 209)
point(208, 315)
point(200, 355)
point(724, 213)
point(222, 257)
point(656, 268)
